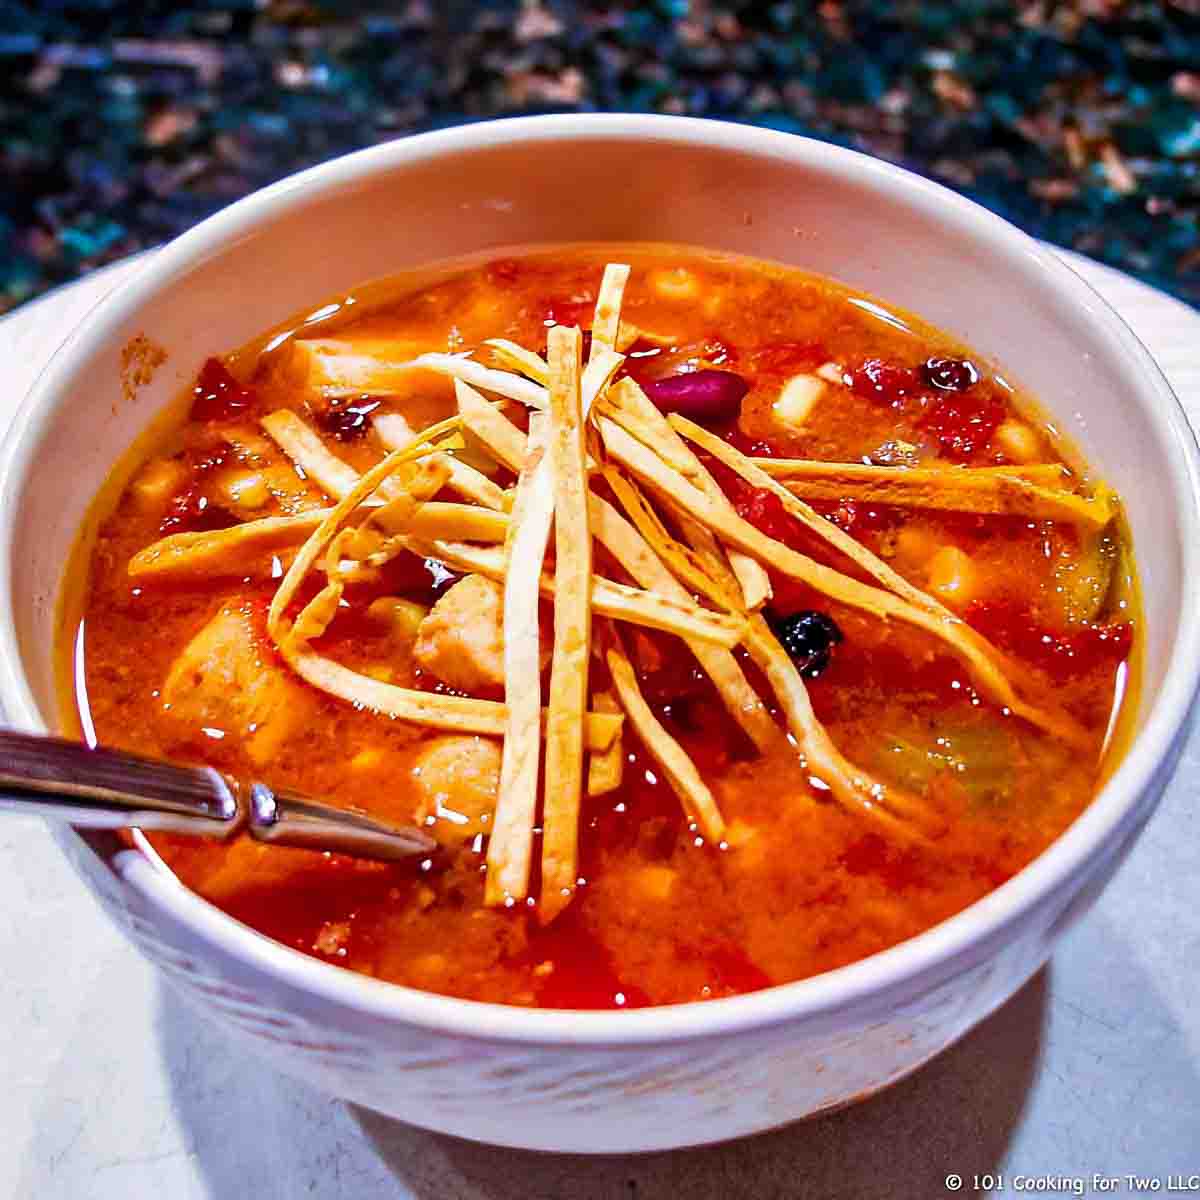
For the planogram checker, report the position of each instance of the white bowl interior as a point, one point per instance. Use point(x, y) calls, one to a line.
point(823, 210)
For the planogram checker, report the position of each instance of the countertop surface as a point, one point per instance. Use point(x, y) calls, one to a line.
point(123, 123)
point(110, 1088)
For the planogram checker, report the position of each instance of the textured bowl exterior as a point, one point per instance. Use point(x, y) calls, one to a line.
point(692, 1073)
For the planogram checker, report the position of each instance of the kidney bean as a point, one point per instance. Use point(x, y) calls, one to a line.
point(706, 397)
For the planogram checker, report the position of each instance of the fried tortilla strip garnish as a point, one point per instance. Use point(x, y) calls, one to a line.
point(509, 857)
point(339, 515)
point(643, 562)
point(458, 522)
point(853, 788)
point(825, 529)
point(668, 754)
point(499, 436)
point(684, 618)
point(514, 357)
point(819, 470)
point(393, 430)
point(443, 712)
point(211, 554)
point(683, 561)
point(952, 632)
point(487, 379)
point(305, 447)
point(954, 489)
point(607, 319)
point(640, 559)
point(572, 624)
point(606, 769)
point(751, 575)
point(459, 714)
point(1039, 491)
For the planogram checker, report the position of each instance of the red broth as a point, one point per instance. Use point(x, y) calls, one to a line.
point(800, 885)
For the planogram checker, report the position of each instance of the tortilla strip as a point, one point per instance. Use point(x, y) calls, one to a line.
point(606, 322)
point(636, 606)
point(572, 619)
point(320, 538)
point(1049, 475)
point(850, 786)
point(514, 357)
point(602, 366)
point(838, 538)
point(393, 430)
point(500, 437)
point(606, 770)
point(509, 857)
point(443, 712)
point(460, 714)
point(220, 552)
point(751, 576)
point(684, 563)
point(487, 379)
point(305, 447)
point(740, 533)
point(458, 522)
point(644, 564)
point(668, 754)
point(954, 489)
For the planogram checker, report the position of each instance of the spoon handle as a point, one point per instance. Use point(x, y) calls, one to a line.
point(96, 788)
point(110, 789)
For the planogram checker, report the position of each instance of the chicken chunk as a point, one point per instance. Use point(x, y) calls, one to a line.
point(223, 681)
point(456, 780)
point(461, 641)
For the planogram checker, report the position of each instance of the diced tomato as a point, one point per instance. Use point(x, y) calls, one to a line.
point(871, 854)
point(217, 395)
point(887, 383)
point(858, 517)
point(411, 575)
point(964, 424)
point(570, 312)
point(789, 358)
point(191, 511)
point(733, 972)
point(666, 668)
point(346, 421)
point(1062, 656)
point(503, 272)
point(751, 447)
point(582, 974)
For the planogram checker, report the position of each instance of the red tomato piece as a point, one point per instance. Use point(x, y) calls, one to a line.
point(964, 424)
point(217, 395)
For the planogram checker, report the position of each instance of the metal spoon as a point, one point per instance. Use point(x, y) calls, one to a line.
point(109, 789)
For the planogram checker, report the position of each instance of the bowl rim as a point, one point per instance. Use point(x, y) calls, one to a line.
point(944, 949)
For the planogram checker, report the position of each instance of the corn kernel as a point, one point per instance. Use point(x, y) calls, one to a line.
point(953, 577)
point(248, 490)
point(402, 616)
point(675, 283)
point(797, 400)
point(655, 883)
point(158, 481)
point(1018, 441)
point(366, 760)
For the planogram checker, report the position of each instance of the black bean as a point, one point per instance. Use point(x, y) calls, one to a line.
point(950, 374)
point(809, 638)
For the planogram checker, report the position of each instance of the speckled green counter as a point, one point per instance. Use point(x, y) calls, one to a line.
point(123, 124)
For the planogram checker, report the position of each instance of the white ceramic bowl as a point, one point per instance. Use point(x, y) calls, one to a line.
point(691, 1073)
